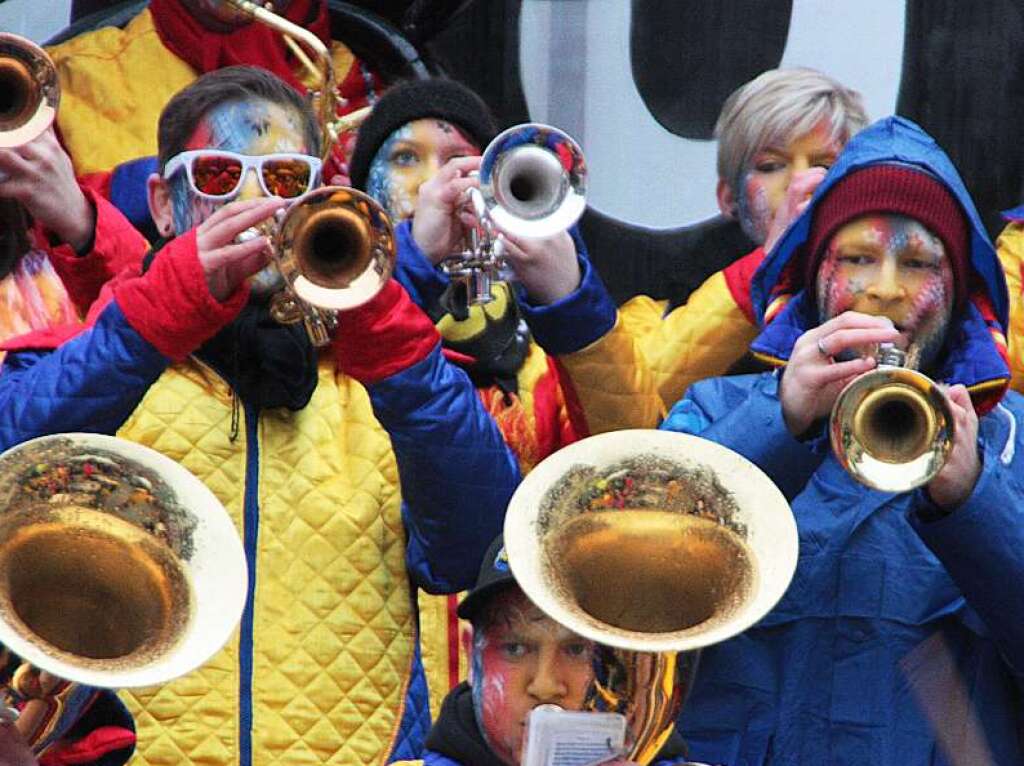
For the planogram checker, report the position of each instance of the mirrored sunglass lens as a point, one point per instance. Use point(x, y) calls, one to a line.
point(286, 178)
point(216, 175)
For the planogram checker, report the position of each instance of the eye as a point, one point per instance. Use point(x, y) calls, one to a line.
point(824, 163)
point(918, 263)
point(404, 157)
point(857, 259)
point(769, 166)
point(514, 649)
point(578, 649)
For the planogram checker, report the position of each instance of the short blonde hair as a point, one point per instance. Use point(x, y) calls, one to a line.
point(777, 107)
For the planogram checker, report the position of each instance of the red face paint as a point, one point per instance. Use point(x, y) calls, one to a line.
point(892, 266)
point(522, 659)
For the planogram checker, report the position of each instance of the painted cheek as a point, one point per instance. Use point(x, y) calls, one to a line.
point(499, 718)
point(757, 210)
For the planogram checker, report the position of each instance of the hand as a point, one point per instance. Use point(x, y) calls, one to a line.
point(547, 267)
point(14, 750)
point(955, 482)
point(813, 379)
point(798, 195)
point(225, 262)
point(441, 218)
point(40, 176)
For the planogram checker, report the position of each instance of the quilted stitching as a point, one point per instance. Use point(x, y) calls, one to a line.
point(332, 605)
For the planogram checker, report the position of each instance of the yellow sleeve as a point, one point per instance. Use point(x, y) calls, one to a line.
point(1010, 247)
point(700, 339)
point(613, 383)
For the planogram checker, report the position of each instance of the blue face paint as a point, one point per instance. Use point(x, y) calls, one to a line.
point(380, 183)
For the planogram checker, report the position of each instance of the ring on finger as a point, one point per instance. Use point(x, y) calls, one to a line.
point(822, 350)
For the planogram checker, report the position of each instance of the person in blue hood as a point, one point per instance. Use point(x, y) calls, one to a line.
point(901, 637)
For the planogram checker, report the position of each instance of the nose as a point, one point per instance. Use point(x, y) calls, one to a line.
point(547, 683)
point(250, 186)
point(885, 287)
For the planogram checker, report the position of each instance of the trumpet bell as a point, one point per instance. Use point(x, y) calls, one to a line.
point(891, 429)
point(533, 179)
point(29, 91)
point(337, 248)
point(651, 541)
point(118, 567)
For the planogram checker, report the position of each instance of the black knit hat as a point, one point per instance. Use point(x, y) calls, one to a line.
point(414, 100)
point(494, 575)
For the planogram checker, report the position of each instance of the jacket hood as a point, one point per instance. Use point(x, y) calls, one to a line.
point(976, 348)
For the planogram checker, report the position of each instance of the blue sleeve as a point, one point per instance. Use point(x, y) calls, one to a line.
point(424, 282)
point(580, 318)
point(92, 382)
point(981, 543)
point(743, 413)
point(456, 471)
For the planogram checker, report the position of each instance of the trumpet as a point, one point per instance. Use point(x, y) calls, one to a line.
point(891, 428)
point(652, 544)
point(315, 58)
point(533, 184)
point(334, 248)
point(29, 97)
point(118, 569)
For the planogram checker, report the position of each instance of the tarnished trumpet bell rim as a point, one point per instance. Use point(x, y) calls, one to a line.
point(771, 533)
point(216, 567)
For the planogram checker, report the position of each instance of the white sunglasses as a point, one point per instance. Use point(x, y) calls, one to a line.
point(217, 175)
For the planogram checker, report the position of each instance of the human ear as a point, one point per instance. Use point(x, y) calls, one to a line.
point(726, 199)
point(158, 194)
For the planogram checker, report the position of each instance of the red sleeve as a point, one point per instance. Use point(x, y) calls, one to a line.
point(384, 336)
point(171, 305)
point(738, 276)
point(117, 245)
point(92, 747)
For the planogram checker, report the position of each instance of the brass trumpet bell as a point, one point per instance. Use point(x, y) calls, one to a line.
point(337, 247)
point(533, 179)
point(891, 428)
point(334, 249)
point(29, 91)
point(118, 567)
point(651, 541)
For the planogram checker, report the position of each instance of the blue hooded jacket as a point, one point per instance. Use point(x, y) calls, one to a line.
point(900, 638)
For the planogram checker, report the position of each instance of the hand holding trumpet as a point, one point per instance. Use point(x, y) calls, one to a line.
point(39, 175)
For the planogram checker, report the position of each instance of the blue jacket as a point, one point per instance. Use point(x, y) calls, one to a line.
point(886, 611)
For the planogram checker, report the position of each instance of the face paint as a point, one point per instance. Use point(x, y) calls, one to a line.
point(763, 184)
point(522, 659)
point(892, 266)
point(408, 157)
point(246, 127)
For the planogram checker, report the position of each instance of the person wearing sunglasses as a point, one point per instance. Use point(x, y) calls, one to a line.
point(353, 473)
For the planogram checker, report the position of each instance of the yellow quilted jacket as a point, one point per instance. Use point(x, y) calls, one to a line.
point(1010, 248)
point(332, 616)
point(114, 83)
point(630, 376)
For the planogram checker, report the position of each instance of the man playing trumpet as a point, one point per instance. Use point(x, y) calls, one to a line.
point(306, 448)
point(892, 591)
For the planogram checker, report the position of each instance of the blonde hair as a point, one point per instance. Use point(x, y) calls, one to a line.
point(777, 107)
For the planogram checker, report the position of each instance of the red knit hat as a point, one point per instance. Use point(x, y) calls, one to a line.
point(893, 189)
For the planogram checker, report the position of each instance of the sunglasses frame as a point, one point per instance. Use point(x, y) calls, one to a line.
point(248, 161)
